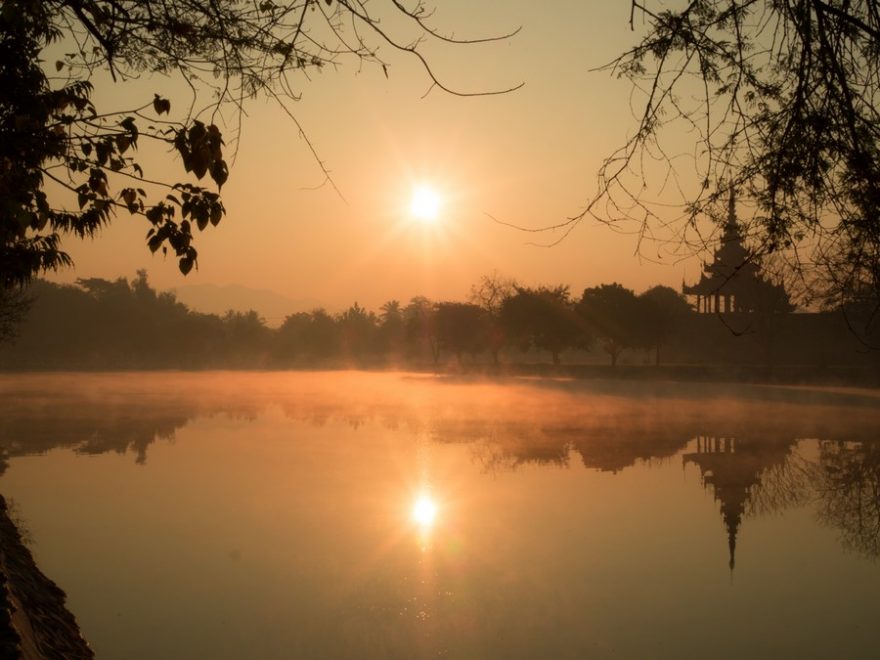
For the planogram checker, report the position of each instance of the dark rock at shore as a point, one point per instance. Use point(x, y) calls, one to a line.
point(34, 621)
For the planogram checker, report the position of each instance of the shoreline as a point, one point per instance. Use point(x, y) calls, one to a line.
point(34, 619)
point(843, 376)
point(744, 374)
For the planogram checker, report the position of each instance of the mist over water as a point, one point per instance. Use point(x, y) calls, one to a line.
point(346, 514)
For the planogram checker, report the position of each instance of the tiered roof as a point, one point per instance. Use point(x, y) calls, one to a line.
point(732, 271)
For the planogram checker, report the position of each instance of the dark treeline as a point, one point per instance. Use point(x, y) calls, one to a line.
point(101, 324)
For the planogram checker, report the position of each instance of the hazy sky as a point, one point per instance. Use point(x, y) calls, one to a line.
point(529, 158)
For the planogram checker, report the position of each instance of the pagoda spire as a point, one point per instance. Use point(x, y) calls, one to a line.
point(732, 282)
point(731, 227)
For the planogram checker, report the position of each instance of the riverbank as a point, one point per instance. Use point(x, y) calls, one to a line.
point(866, 376)
point(835, 376)
point(34, 621)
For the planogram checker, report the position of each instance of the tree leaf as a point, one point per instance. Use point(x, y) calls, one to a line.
point(161, 105)
point(219, 172)
point(216, 214)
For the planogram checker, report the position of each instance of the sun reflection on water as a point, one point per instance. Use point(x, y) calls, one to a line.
point(424, 511)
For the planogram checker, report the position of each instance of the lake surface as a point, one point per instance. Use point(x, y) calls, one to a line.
point(353, 515)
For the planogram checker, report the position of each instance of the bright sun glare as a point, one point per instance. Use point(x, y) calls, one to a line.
point(425, 204)
point(424, 511)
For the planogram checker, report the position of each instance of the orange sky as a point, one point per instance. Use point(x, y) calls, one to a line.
point(529, 157)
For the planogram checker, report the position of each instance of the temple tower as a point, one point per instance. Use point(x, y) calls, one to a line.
point(733, 281)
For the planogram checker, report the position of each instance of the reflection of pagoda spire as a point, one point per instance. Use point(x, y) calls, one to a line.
point(732, 524)
point(731, 546)
point(732, 467)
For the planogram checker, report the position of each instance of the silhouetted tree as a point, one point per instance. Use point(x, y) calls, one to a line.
point(289, 342)
point(121, 324)
point(14, 304)
point(461, 328)
point(665, 311)
point(490, 293)
point(56, 327)
point(130, 321)
point(53, 135)
point(308, 337)
point(860, 306)
point(392, 331)
point(357, 331)
point(118, 324)
point(614, 315)
point(785, 110)
point(421, 328)
point(390, 311)
point(862, 316)
point(543, 318)
point(246, 338)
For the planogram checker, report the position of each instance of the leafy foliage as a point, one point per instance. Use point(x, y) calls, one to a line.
point(54, 140)
point(665, 312)
point(777, 99)
point(615, 315)
point(462, 328)
point(56, 146)
point(543, 318)
point(14, 305)
point(125, 324)
point(307, 337)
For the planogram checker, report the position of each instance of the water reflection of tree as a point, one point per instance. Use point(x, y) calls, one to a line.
point(87, 431)
point(611, 449)
point(783, 485)
point(499, 448)
point(88, 424)
point(767, 477)
point(847, 481)
point(610, 428)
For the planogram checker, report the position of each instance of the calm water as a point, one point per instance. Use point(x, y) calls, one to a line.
point(228, 515)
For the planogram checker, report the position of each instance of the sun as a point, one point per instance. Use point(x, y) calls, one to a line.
point(424, 511)
point(424, 204)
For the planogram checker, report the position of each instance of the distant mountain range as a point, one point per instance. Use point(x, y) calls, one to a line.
point(217, 299)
